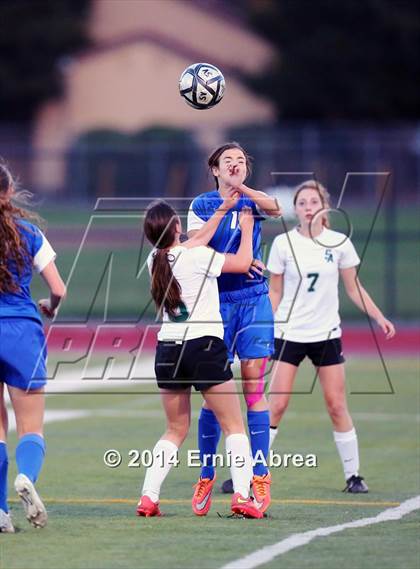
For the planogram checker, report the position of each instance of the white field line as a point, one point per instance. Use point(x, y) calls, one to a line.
point(268, 553)
point(71, 380)
point(115, 375)
point(52, 416)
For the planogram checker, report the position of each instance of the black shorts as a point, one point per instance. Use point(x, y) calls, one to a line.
point(201, 363)
point(325, 353)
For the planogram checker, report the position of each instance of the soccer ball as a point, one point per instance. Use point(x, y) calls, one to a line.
point(202, 85)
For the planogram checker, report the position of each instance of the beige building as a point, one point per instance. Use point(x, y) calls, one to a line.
point(128, 79)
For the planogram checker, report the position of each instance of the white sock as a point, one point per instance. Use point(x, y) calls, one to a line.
point(273, 435)
point(348, 450)
point(163, 459)
point(237, 445)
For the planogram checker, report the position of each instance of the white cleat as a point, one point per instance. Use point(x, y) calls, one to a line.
point(6, 525)
point(35, 510)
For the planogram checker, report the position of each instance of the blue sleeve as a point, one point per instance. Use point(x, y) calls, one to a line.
point(198, 206)
point(37, 240)
point(255, 211)
point(32, 236)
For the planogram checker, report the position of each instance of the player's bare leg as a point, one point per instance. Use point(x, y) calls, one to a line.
point(6, 525)
point(29, 411)
point(333, 385)
point(252, 372)
point(281, 388)
point(177, 407)
point(29, 407)
point(4, 422)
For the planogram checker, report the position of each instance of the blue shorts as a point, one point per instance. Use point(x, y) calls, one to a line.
point(23, 353)
point(249, 327)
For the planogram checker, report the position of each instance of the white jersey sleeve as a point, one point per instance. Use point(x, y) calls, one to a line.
point(348, 256)
point(277, 258)
point(208, 261)
point(44, 255)
point(194, 222)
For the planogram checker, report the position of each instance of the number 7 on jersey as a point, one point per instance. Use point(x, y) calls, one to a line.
point(314, 277)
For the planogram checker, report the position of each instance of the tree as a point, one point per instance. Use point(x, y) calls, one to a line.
point(35, 34)
point(340, 60)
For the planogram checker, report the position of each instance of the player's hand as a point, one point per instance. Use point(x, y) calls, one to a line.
point(230, 200)
point(256, 267)
point(235, 178)
point(387, 327)
point(246, 218)
point(45, 308)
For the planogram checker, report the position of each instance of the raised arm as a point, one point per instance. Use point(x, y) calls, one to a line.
point(358, 294)
point(268, 205)
point(203, 235)
point(53, 280)
point(240, 262)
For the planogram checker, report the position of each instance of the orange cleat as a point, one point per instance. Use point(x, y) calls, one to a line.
point(201, 500)
point(245, 507)
point(147, 508)
point(261, 491)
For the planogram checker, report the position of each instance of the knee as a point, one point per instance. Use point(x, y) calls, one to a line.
point(233, 428)
point(336, 409)
point(178, 431)
point(277, 410)
point(253, 391)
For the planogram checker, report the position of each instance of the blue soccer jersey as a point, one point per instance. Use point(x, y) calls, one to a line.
point(232, 286)
point(244, 304)
point(37, 253)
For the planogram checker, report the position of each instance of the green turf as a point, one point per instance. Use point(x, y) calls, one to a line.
point(105, 261)
point(361, 217)
point(86, 534)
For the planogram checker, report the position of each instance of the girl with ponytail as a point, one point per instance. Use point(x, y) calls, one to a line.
point(190, 351)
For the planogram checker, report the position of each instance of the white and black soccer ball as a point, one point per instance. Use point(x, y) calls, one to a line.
point(202, 85)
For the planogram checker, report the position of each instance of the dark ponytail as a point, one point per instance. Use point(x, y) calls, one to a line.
point(160, 229)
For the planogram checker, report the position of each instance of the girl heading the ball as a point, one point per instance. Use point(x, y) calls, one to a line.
point(190, 351)
point(246, 312)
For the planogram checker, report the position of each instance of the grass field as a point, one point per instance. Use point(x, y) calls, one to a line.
point(113, 248)
point(91, 507)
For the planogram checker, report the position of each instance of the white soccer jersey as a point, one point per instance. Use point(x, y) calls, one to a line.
point(196, 270)
point(308, 311)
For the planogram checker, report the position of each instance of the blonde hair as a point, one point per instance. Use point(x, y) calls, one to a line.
point(323, 195)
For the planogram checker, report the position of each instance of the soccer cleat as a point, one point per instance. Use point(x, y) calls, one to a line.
point(201, 500)
point(35, 510)
point(6, 525)
point(227, 486)
point(356, 485)
point(245, 507)
point(261, 491)
point(147, 508)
